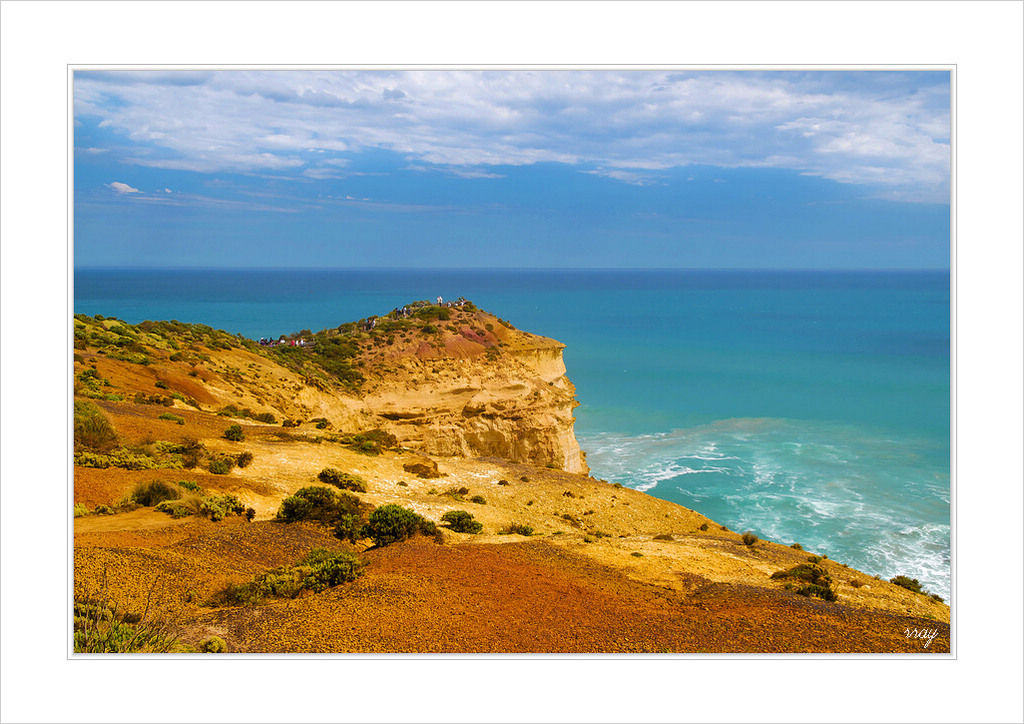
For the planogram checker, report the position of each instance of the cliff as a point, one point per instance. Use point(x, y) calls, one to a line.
point(450, 381)
point(517, 405)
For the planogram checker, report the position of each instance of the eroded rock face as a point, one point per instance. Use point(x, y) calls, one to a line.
point(516, 404)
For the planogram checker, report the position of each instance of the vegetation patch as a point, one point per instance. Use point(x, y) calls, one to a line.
point(222, 465)
point(100, 628)
point(516, 529)
point(342, 511)
point(173, 418)
point(213, 645)
point(149, 493)
point(392, 523)
point(461, 521)
point(92, 430)
point(749, 538)
point(345, 481)
point(372, 442)
point(317, 570)
point(808, 579)
point(234, 433)
point(458, 494)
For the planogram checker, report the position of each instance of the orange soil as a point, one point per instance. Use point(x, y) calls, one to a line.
point(528, 597)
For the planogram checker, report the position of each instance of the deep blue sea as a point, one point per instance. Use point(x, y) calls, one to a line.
point(804, 406)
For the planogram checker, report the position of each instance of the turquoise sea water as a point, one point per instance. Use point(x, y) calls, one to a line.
point(805, 406)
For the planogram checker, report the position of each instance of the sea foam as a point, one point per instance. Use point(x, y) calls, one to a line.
point(841, 490)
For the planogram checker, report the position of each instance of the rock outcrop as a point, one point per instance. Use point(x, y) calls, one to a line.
point(503, 394)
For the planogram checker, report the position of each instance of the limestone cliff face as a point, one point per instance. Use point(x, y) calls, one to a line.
point(506, 395)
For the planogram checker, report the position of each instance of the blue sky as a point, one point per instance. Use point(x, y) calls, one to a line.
point(527, 168)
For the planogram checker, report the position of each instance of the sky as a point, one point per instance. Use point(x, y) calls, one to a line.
point(512, 169)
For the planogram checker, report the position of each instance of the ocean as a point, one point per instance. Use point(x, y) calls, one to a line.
point(805, 406)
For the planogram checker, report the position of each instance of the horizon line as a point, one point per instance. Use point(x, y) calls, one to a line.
point(510, 269)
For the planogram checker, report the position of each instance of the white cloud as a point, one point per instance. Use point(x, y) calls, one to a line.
point(121, 188)
point(842, 126)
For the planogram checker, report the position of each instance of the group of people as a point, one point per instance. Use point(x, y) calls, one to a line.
point(285, 342)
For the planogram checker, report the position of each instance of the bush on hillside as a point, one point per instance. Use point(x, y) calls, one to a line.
point(234, 433)
point(244, 459)
point(149, 493)
point(92, 430)
point(817, 581)
point(749, 538)
point(345, 481)
point(222, 465)
point(317, 570)
point(461, 521)
point(343, 511)
point(217, 507)
point(911, 584)
point(392, 523)
point(516, 529)
point(213, 645)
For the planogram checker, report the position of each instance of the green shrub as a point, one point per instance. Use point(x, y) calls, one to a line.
point(172, 418)
point(250, 513)
point(149, 493)
point(461, 521)
point(101, 628)
point(217, 507)
point(329, 507)
point(80, 509)
point(244, 459)
point(213, 645)
point(823, 592)
point(478, 499)
point(392, 523)
point(797, 547)
point(234, 433)
point(221, 465)
point(124, 458)
point(266, 417)
point(316, 570)
point(664, 536)
point(703, 526)
point(180, 508)
point(749, 538)
point(637, 554)
point(517, 529)
point(911, 584)
point(345, 481)
point(103, 510)
point(161, 384)
point(817, 580)
point(92, 430)
point(371, 442)
point(504, 482)
point(190, 486)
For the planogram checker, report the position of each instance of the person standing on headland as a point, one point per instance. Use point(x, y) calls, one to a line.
point(439, 301)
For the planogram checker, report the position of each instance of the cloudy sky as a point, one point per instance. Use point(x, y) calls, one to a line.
point(527, 168)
